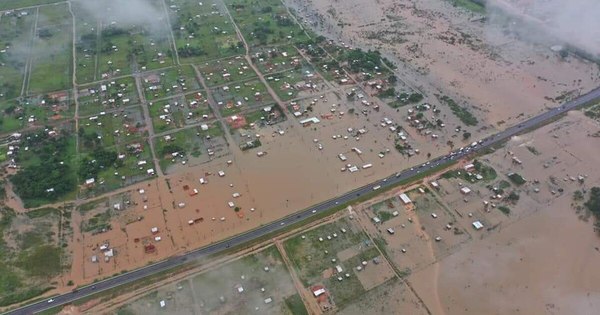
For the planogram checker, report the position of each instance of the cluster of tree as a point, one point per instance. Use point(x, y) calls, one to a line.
point(593, 203)
point(171, 148)
point(390, 92)
point(87, 43)
point(190, 51)
point(284, 21)
point(45, 33)
point(361, 61)
point(237, 46)
point(89, 140)
point(9, 89)
point(92, 165)
point(113, 31)
point(262, 30)
point(51, 179)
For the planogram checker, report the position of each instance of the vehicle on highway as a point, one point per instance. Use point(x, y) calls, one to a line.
point(50, 300)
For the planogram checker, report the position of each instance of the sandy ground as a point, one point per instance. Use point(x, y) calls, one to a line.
point(442, 51)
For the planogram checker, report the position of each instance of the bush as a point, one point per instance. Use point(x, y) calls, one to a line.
point(504, 209)
point(593, 203)
point(516, 178)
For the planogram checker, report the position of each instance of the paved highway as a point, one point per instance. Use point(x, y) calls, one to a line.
point(324, 206)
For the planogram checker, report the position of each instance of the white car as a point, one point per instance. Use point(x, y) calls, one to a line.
point(50, 300)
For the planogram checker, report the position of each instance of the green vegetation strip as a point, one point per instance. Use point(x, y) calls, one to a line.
point(471, 5)
point(295, 305)
point(16, 4)
point(461, 112)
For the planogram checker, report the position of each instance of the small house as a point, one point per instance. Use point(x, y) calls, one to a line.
point(477, 225)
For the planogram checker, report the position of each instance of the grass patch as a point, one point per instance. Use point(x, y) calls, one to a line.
point(308, 255)
point(295, 305)
point(42, 261)
point(533, 150)
point(593, 112)
point(42, 212)
point(473, 6)
point(98, 222)
point(15, 4)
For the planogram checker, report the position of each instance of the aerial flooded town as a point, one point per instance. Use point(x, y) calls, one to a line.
point(299, 157)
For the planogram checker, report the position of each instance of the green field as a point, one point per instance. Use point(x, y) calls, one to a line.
point(107, 96)
point(265, 22)
point(52, 46)
point(236, 97)
point(15, 40)
point(111, 129)
point(169, 82)
point(185, 144)
point(225, 71)
point(275, 59)
point(308, 255)
point(30, 252)
point(114, 46)
point(202, 32)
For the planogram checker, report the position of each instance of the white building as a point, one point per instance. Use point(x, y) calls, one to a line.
point(405, 199)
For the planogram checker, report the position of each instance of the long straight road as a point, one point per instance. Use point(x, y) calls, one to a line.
point(280, 224)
